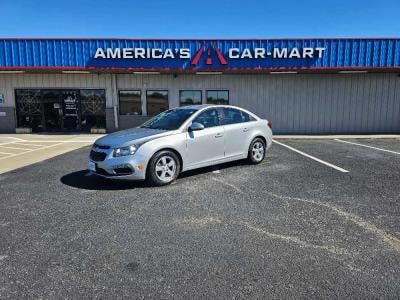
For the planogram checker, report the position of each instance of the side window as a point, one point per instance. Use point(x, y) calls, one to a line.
point(235, 116)
point(208, 118)
point(247, 117)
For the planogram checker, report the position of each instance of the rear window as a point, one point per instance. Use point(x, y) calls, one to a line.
point(234, 116)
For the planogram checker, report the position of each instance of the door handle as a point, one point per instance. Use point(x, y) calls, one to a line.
point(245, 129)
point(218, 135)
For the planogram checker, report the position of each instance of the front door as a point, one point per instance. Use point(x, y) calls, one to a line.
point(204, 147)
point(70, 110)
point(52, 110)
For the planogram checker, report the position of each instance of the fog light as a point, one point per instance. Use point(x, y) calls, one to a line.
point(123, 169)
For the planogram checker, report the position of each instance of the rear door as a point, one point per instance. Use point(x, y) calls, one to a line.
point(238, 125)
point(206, 146)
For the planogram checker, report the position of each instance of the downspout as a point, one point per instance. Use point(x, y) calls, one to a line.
point(114, 97)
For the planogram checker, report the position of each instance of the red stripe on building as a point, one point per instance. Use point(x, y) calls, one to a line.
point(221, 58)
point(198, 55)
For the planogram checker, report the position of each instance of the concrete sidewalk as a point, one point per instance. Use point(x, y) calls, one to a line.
point(340, 136)
point(19, 150)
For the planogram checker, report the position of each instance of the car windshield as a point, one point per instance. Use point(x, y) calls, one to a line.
point(170, 119)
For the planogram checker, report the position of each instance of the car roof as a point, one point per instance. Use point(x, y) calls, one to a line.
point(197, 107)
point(201, 106)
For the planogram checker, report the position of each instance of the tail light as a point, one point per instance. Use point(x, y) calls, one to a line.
point(269, 124)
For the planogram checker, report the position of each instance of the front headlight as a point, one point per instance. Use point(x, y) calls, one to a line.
point(124, 151)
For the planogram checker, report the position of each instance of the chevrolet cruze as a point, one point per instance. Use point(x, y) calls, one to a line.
point(181, 139)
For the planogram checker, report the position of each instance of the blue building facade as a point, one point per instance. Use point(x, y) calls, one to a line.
point(304, 86)
point(194, 55)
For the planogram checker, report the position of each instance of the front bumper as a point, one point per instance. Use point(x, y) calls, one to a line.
point(130, 167)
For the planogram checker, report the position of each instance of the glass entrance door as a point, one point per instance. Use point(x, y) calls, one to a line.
point(70, 107)
point(52, 110)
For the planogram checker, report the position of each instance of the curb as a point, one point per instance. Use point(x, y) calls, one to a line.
point(331, 137)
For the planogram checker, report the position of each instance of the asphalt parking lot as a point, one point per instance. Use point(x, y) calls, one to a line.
point(326, 225)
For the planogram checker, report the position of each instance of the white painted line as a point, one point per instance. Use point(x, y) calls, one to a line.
point(1, 144)
point(10, 138)
point(366, 146)
point(26, 144)
point(312, 157)
point(16, 148)
point(7, 153)
point(55, 141)
point(22, 153)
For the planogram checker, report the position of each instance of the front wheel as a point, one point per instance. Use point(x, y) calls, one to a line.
point(163, 168)
point(256, 151)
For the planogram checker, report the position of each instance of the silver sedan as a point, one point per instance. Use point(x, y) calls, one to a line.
point(181, 139)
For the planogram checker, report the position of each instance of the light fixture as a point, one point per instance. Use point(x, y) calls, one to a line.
point(208, 73)
point(75, 72)
point(352, 72)
point(283, 72)
point(146, 73)
point(11, 72)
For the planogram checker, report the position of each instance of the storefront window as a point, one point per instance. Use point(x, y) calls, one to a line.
point(29, 109)
point(60, 109)
point(93, 109)
point(157, 101)
point(218, 97)
point(130, 102)
point(189, 97)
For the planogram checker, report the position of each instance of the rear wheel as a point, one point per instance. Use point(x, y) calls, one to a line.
point(163, 168)
point(256, 151)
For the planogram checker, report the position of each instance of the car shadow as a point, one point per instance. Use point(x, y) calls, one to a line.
point(83, 180)
point(214, 168)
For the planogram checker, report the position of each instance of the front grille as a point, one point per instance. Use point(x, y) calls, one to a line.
point(97, 156)
point(104, 147)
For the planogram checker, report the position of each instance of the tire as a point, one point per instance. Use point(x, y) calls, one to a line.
point(163, 168)
point(257, 151)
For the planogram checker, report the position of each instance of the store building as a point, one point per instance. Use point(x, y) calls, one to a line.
point(304, 86)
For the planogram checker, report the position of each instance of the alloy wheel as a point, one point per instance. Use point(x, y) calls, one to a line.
point(165, 168)
point(258, 151)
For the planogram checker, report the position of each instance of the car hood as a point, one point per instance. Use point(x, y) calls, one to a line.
point(132, 136)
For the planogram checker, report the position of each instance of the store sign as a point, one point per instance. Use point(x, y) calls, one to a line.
point(184, 53)
point(209, 55)
point(137, 53)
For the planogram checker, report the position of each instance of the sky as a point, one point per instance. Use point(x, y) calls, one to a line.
point(199, 19)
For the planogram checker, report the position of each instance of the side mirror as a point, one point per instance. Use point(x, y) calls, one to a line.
point(196, 126)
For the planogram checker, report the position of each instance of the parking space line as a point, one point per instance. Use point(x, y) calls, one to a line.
point(6, 153)
point(313, 157)
point(16, 148)
point(366, 146)
point(56, 141)
point(46, 147)
point(26, 144)
point(7, 143)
